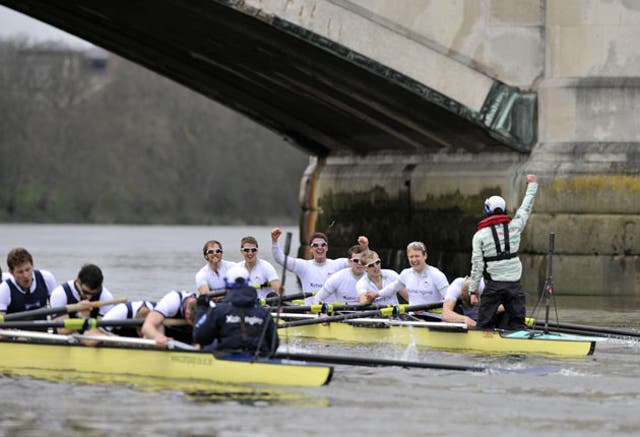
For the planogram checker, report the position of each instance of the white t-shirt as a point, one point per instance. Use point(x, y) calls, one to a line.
point(262, 273)
point(364, 284)
point(171, 303)
point(59, 297)
point(215, 281)
point(120, 311)
point(312, 274)
point(5, 291)
point(454, 291)
point(340, 287)
point(428, 286)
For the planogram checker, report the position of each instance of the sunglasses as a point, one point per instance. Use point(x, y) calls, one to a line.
point(212, 251)
point(84, 292)
point(318, 244)
point(249, 249)
point(355, 260)
point(373, 263)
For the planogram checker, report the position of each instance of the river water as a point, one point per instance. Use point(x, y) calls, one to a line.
point(520, 395)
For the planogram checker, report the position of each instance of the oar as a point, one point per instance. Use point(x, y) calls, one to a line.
point(73, 339)
point(589, 330)
point(287, 297)
point(336, 306)
point(374, 362)
point(80, 324)
point(218, 293)
point(61, 309)
point(329, 308)
point(172, 344)
point(383, 312)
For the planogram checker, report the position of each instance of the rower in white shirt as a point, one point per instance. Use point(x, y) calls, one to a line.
point(375, 279)
point(211, 276)
point(313, 273)
point(422, 283)
point(262, 275)
point(341, 286)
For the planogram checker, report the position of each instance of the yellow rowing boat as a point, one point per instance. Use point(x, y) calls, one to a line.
point(439, 335)
point(41, 359)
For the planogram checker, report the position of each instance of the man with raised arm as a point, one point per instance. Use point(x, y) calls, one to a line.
point(313, 273)
point(495, 256)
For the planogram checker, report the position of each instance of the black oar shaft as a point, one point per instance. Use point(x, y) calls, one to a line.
point(36, 313)
point(374, 362)
point(286, 297)
point(64, 309)
point(595, 330)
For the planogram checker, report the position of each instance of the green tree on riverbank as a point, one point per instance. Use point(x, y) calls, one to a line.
point(85, 141)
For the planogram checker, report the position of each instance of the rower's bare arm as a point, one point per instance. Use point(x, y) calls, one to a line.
point(153, 328)
point(203, 289)
point(449, 315)
point(405, 294)
point(277, 286)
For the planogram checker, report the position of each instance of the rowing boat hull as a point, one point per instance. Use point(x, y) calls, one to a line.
point(430, 337)
point(37, 359)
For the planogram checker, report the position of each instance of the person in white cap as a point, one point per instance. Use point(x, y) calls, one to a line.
point(237, 324)
point(495, 257)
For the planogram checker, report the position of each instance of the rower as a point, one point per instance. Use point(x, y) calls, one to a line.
point(375, 279)
point(211, 276)
point(341, 286)
point(262, 275)
point(86, 287)
point(419, 284)
point(139, 309)
point(176, 304)
point(312, 273)
point(25, 288)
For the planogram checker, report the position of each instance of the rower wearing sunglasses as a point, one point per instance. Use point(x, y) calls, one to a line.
point(341, 286)
point(87, 287)
point(211, 276)
point(375, 279)
point(262, 275)
point(313, 273)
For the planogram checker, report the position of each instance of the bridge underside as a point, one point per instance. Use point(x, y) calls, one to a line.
point(318, 94)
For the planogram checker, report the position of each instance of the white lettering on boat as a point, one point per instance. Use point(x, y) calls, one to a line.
point(204, 360)
point(251, 320)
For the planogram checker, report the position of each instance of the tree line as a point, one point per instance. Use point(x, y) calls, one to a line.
point(84, 141)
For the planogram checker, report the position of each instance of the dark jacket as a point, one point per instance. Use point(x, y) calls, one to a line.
point(237, 324)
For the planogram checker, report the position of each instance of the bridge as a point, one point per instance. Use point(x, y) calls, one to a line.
point(415, 114)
